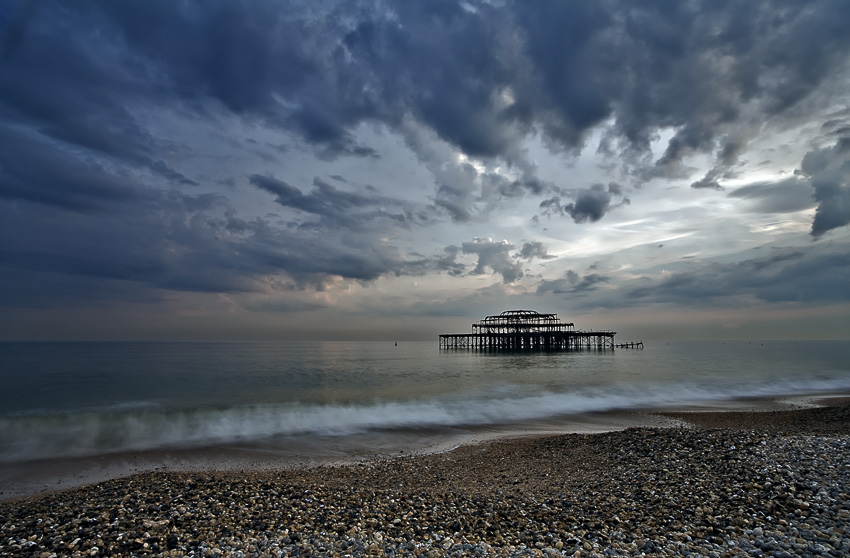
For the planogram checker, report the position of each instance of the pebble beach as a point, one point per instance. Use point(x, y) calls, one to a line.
point(768, 483)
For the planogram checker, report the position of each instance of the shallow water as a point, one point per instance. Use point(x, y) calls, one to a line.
point(60, 400)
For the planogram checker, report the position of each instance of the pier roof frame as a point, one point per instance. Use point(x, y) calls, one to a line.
point(520, 320)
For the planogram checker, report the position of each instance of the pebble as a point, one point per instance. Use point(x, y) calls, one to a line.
point(639, 492)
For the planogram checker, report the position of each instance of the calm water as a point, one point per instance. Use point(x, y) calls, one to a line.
point(75, 399)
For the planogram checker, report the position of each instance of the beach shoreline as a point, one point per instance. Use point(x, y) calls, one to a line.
point(40, 477)
point(731, 482)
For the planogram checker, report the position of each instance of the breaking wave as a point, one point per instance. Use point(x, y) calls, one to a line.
point(146, 426)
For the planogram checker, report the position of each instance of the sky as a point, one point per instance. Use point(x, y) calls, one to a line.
point(393, 170)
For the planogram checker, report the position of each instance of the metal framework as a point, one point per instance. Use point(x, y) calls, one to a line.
point(518, 330)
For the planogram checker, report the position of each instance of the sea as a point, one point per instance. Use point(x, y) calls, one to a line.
point(61, 402)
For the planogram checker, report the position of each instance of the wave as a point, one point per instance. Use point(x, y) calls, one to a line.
point(145, 426)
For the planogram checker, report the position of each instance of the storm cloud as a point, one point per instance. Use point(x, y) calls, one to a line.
point(590, 205)
point(828, 172)
point(479, 76)
point(292, 148)
point(534, 249)
point(340, 209)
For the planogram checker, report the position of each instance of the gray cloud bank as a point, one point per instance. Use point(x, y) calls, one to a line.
point(814, 275)
point(788, 275)
point(89, 186)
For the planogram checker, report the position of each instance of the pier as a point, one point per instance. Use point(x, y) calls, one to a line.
point(519, 330)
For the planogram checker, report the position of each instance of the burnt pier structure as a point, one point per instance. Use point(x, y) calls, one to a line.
point(519, 330)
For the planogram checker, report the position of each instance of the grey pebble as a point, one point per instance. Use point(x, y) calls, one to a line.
point(782, 491)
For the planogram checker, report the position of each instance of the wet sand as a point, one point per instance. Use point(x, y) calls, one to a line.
point(830, 415)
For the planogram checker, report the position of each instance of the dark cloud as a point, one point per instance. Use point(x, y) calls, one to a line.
point(481, 76)
point(80, 87)
point(494, 255)
point(828, 172)
point(783, 196)
point(695, 66)
point(340, 209)
point(37, 170)
point(591, 204)
point(823, 180)
point(324, 200)
point(15, 23)
point(812, 276)
point(449, 263)
point(157, 242)
point(98, 168)
point(176, 242)
point(441, 64)
point(709, 181)
point(572, 283)
point(534, 249)
point(73, 232)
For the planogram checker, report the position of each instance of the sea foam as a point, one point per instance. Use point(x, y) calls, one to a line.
point(147, 426)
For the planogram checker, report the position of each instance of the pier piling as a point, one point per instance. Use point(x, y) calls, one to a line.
point(519, 330)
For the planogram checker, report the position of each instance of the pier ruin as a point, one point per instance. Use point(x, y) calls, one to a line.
point(518, 330)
